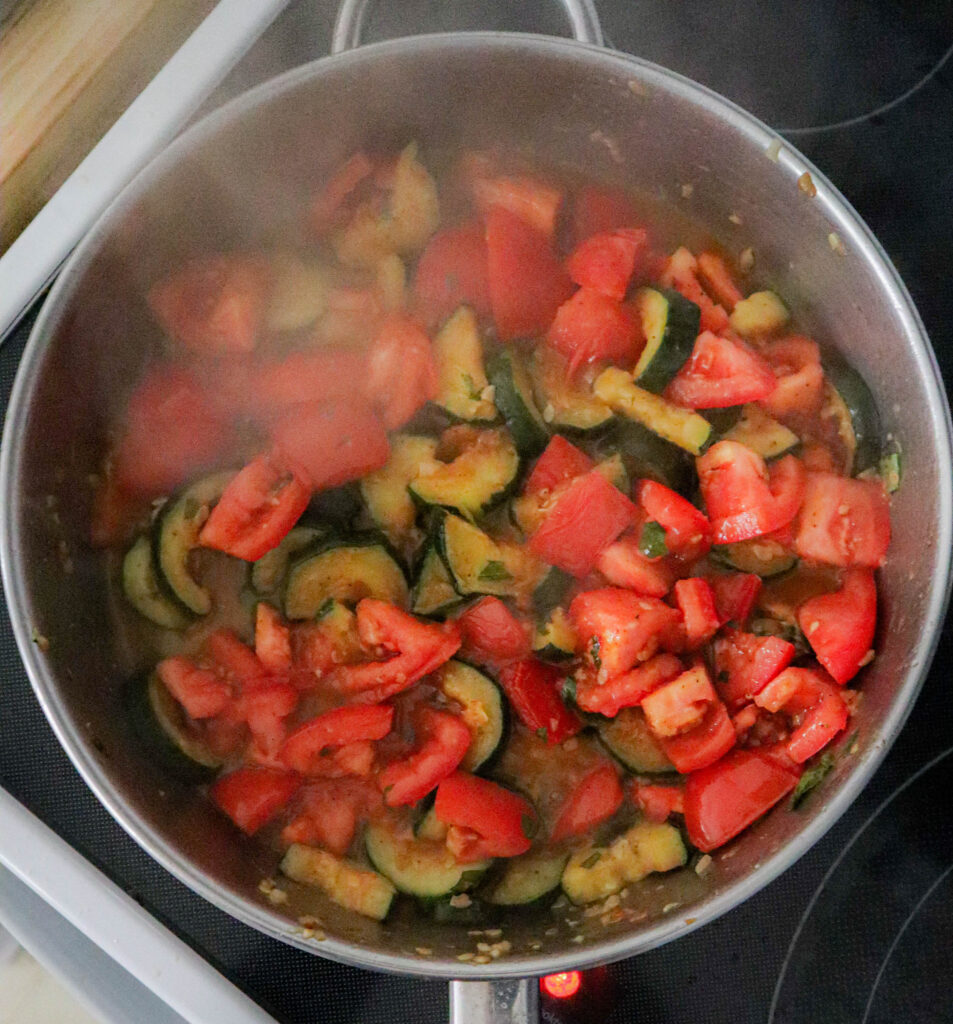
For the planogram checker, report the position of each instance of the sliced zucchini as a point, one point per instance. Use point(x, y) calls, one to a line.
point(551, 590)
point(566, 406)
point(347, 571)
point(478, 564)
point(431, 827)
point(169, 737)
point(722, 420)
point(484, 710)
point(614, 470)
point(529, 879)
point(269, 571)
point(890, 467)
point(339, 506)
point(759, 313)
point(420, 867)
point(648, 456)
point(513, 395)
point(670, 324)
point(555, 638)
point(482, 474)
point(630, 740)
point(673, 423)
point(349, 885)
point(595, 872)
point(762, 433)
point(385, 490)
point(461, 376)
point(140, 584)
point(784, 630)
point(434, 592)
point(762, 556)
point(849, 401)
point(298, 295)
point(177, 533)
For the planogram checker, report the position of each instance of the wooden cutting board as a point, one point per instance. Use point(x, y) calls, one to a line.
point(68, 69)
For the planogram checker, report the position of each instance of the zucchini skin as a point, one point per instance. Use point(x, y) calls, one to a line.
point(513, 395)
point(670, 324)
point(531, 880)
point(862, 410)
point(143, 590)
point(485, 711)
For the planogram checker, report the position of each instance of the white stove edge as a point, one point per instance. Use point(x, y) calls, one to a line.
point(112, 954)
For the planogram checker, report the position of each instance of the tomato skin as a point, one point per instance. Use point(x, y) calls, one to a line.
point(531, 200)
point(746, 663)
point(331, 442)
point(257, 509)
point(598, 209)
point(743, 498)
point(201, 692)
point(452, 271)
point(560, 461)
point(627, 689)
point(687, 529)
point(590, 327)
point(840, 626)
point(735, 595)
point(717, 279)
point(624, 565)
point(401, 372)
point(659, 803)
point(251, 797)
point(498, 816)
point(584, 520)
point(445, 741)
point(532, 687)
point(696, 601)
point(619, 627)
point(213, 306)
point(527, 281)
point(799, 393)
point(725, 798)
point(606, 262)
point(711, 739)
point(720, 373)
point(304, 377)
point(421, 648)
point(594, 800)
point(843, 522)
point(814, 704)
point(334, 728)
point(492, 633)
point(678, 706)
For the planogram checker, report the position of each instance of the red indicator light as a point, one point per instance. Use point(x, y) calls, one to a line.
point(561, 986)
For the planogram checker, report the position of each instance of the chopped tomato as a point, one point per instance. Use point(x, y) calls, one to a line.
point(328, 813)
point(264, 708)
point(583, 520)
point(725, 798)
point(746, 663)
point(711, 739)
point(594, 800)
point(627, 689)
point(624, 565)
point(272, 639)
point(533, 201)
point(419, 649)
point(799, 392)
point(840, 626)
point(114, 513)
point(443, 741)
point(452, 271)
point(618, 628)
point(236, 662)
point(843, 522)
point(561, 461)
point(532, 687)
point(200, 691)
point(659, 803)
point(720, 373)
point(717, 278)
point(813, 703)
point(257, 509)
point(213, 306)
point(503, 821)
point(696, 601)
point(527, 282)
point(251, 797)
point(334, 728)
point(735, 595)
point(402, 374)
point(687, 530)
point(327, 207)
point(678, 706)
point(352, 317)
point(744, 499)
point(492, 633)
point(332, 442)
point(305, 377)
point(172, 430)
point(681, 273)
point(600, 209)
point(591, 327)
point(606, 262)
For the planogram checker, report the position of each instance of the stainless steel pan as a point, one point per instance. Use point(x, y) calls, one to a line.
point(237, 176)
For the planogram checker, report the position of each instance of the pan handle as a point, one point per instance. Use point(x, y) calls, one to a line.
point(349, 24)
point(512, 1001)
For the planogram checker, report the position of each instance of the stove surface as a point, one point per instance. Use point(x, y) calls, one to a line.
point(861, 928)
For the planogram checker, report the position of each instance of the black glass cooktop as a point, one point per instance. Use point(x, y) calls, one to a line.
point(860, 929)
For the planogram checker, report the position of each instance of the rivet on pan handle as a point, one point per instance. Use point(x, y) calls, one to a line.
point(349, 24)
